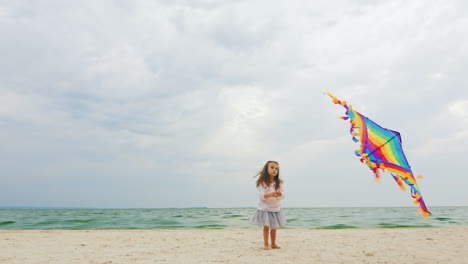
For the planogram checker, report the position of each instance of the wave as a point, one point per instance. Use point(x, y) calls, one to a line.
point(80, 221)
point(232, 216)
point(337, 226)
point(388, 225)
point(211, 226)
point(7, 223)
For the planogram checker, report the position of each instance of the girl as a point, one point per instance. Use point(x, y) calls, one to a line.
point(268, 213)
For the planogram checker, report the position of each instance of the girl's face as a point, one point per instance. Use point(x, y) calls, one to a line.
point(273, 169)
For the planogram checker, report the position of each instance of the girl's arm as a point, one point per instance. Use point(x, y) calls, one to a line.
point(270, 195)
point(280, 192)
point(263, 195)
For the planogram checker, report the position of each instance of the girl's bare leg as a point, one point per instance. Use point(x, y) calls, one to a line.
point(266, 232)
point(273, 239)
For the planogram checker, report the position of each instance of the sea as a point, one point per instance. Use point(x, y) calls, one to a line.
point(228, 218)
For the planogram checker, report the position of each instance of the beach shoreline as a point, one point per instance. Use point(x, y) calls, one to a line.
point(406, 245)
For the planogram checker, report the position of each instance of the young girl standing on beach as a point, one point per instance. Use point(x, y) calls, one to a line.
point(268, 213)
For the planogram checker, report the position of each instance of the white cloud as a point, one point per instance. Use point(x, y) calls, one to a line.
point(239, 133)
point(459, 109)
point(454, 144)
point(120, 73)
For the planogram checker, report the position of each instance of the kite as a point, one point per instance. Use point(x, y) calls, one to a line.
point(381, 150)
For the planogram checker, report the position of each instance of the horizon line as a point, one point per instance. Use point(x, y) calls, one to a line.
point(206, 207)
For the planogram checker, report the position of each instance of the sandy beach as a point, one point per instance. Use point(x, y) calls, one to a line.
point(415, 245)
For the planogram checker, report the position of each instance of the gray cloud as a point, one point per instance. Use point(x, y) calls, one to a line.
point(123, 104)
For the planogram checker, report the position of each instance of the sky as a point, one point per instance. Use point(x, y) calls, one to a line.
point(178, 103)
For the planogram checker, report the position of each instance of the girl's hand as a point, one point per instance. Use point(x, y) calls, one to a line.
point(279, 194)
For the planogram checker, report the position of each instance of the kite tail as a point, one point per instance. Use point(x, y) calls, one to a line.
point(409, 180)
point(399, 181)
point(418, 200)
point(425, 213)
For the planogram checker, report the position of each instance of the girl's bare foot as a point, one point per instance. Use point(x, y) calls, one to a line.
point(266, 247)
point(275, 246)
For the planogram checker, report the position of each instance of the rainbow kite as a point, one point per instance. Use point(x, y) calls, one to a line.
point(381, 150)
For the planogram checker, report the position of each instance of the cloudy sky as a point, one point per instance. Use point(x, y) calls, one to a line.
point(179, 103)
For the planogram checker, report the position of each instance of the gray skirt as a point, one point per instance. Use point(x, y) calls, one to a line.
point(273, 220)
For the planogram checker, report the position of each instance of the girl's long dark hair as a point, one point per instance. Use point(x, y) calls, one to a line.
point(264, 178)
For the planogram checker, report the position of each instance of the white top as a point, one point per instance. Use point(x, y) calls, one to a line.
point(271, 204)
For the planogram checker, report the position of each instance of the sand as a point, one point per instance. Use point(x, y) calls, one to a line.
point(415, 246)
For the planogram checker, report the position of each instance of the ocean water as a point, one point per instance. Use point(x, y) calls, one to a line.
point(227, 218)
